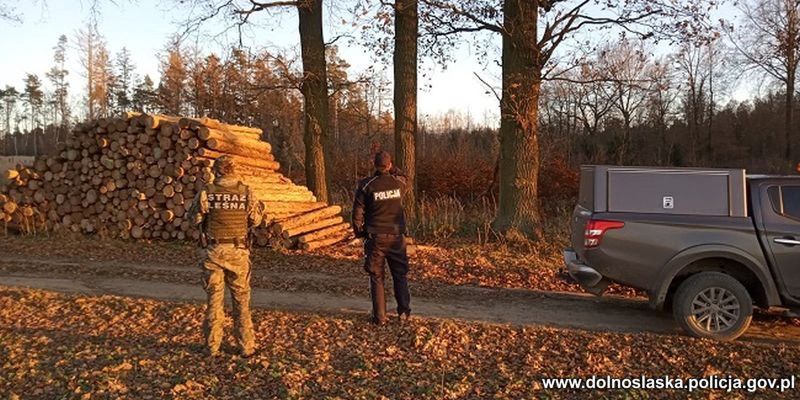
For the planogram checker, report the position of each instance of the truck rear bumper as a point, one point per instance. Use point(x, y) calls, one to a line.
point(586, 276)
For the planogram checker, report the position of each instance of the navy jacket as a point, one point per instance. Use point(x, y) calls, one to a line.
point(378, 205)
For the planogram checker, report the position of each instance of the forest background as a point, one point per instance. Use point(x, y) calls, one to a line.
point(626, 86)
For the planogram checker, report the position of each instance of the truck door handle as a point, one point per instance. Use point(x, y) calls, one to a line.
point(788, 242)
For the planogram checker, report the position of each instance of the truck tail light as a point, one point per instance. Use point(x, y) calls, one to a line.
point(596, 228)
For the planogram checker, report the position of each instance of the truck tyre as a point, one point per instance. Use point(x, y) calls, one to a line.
point(713, 305)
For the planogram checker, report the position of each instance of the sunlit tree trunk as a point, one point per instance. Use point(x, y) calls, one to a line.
point(518, 208)
point(315, 96)
point(405, 93)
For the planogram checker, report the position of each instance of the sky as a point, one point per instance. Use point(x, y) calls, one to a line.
point(145, 27)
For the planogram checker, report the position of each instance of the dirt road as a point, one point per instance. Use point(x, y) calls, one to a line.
point(518, 307)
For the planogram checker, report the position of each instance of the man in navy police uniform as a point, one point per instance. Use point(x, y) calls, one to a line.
point(379, 218)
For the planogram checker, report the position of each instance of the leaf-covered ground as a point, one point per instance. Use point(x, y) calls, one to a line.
point(435, 269)
point(56, 346)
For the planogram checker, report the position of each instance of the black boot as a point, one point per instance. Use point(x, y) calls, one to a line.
point(404, 317)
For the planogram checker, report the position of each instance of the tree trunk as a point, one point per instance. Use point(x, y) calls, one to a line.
point(790, 48)
point(335, 116)
point(789, 115)
point(518, 208)
point(710, 148)
point(405, 94)
point(90, 72)
point(315, 96)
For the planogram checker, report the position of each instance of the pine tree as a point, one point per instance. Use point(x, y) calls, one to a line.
point(236, 84)
point(125, 77)
point(58, 78)
point(10, 95)
point(34, 99)
point(144, 97)
point(172, 88)
point(212, 86)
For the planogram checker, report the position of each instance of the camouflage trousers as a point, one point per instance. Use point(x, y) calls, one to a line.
point(225, 264)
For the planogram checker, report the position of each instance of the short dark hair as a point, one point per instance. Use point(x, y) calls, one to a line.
point(383, 161)
point(224, 166)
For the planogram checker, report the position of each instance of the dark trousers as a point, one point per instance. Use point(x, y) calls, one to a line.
point(379, 250)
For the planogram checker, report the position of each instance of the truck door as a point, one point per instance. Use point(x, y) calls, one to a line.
point(781, 219)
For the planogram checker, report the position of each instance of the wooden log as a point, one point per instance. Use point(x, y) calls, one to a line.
point(260, 175)
point(248, 161)
point(130, 115)
point(167, 215)
point(316, 244)
point(242, 130)
point(255, 143)
point(278, 243)
point(279, 188)
point(276, 187)
point(168, 191)
point(307, 218)
point(155, 121)
point(137, 232)
point(262, 240)
point(314, 226)
point(186, 134)
point(270, 217)
point(323, 233)
point(286, 197)
point(239, 149)
point(154, 171)
point(9, 207)
point(281, 206)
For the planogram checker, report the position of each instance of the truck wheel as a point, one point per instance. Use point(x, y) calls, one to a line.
point(713, 305)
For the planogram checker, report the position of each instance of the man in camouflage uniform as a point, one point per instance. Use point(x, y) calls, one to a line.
point(227, 211)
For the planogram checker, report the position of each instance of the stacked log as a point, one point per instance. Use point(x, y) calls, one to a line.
point(136, 176)
point(15, 212)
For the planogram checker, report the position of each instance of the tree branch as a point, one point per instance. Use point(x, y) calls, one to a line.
point(491, 88)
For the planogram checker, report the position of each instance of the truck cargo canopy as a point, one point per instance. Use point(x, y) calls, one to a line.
point(658, 190)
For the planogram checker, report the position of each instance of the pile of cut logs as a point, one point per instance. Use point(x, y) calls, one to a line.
point(135, 177)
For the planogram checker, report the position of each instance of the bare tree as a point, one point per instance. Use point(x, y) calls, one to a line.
point(314, 82)
point(587, 92)
point(9, 13)
point(625, 66)
point(88, 41)
point(660, 103)
point(95, 60)
point(531, 32)
point(767, 39)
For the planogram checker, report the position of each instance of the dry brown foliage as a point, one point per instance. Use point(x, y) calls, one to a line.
point(63, 346)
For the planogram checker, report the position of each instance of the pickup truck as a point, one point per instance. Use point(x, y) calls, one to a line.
point(709, 244)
